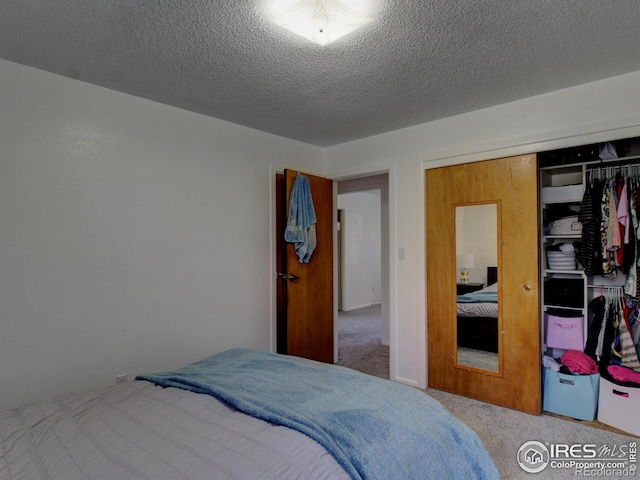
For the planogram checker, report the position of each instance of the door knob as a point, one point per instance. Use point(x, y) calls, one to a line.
point(293, 277)
point(527, 287)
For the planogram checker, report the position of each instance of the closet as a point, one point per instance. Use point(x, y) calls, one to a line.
point(590, 295)
point(508, 375)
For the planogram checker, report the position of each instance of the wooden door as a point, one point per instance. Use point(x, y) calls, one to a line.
point(512, 184)
point(305, 290)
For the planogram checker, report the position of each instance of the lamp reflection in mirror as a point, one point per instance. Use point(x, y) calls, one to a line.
point(465, 262)
point(321, 21)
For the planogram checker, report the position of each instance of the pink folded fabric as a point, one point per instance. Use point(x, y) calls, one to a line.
point(578, 362)
point(623, 374)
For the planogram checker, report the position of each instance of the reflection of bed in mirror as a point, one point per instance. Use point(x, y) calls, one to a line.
point(477, 316)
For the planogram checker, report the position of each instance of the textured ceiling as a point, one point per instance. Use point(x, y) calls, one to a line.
point(417, 61)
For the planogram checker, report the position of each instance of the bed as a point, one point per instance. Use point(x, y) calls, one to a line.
point(242, 414)
point(477, 316)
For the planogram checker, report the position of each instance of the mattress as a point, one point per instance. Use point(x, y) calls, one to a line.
point(242, 414)
point(141, 431)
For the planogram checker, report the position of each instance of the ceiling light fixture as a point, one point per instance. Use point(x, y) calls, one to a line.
point(321, 21)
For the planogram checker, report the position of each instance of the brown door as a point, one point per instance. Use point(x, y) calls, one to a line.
point(305, 290)
point(510, 183)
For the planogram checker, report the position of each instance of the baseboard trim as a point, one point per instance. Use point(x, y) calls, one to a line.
point(406, 381)
point(357, 307)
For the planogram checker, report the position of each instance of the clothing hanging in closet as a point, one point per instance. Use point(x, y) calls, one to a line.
point(610, 213)
point(589, 254)
point(609, 217)
point(614, 325)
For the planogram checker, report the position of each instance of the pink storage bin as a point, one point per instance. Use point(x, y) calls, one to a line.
point(566, 333)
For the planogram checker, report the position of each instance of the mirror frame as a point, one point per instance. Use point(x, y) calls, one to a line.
point(499, 325)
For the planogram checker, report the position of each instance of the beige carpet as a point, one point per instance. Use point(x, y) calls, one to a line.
point(360, 342)
point(503, 431)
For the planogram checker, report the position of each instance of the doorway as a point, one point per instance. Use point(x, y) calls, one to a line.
point(281, 338)
point(362, 329)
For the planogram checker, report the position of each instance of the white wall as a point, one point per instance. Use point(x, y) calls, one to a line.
point(361, 230)
point(134, 236)
point(585, 114)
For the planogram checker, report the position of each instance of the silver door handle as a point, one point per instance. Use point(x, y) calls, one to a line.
point(284, 276)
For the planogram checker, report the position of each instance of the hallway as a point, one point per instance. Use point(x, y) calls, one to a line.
point(359, 341)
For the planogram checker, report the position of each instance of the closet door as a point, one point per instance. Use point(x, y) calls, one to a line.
point(508, 187)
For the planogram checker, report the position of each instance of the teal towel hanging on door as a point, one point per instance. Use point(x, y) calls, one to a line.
point(301, 228)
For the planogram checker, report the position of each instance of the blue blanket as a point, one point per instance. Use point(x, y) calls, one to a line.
point(375, 428)
point(478, 297)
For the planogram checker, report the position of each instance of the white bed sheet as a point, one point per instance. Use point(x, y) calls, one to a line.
point(479, 309)
point(141, 431)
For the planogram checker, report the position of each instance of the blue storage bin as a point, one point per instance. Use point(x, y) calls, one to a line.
point(574, 396)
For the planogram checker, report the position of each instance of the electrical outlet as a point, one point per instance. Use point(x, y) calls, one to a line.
point(123, 378)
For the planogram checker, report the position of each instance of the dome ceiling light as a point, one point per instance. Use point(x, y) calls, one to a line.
point(321, 21)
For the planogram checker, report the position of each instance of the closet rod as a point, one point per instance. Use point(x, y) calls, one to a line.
point(606, 286)
point(606, 171)
point(609, 160)
point(609, 290)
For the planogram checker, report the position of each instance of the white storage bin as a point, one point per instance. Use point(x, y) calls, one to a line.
point(561, 260)
point(566, 226)
point(618, 406)
point(562, 194)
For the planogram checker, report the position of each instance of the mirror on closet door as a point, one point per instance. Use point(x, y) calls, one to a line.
point(477, 287)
